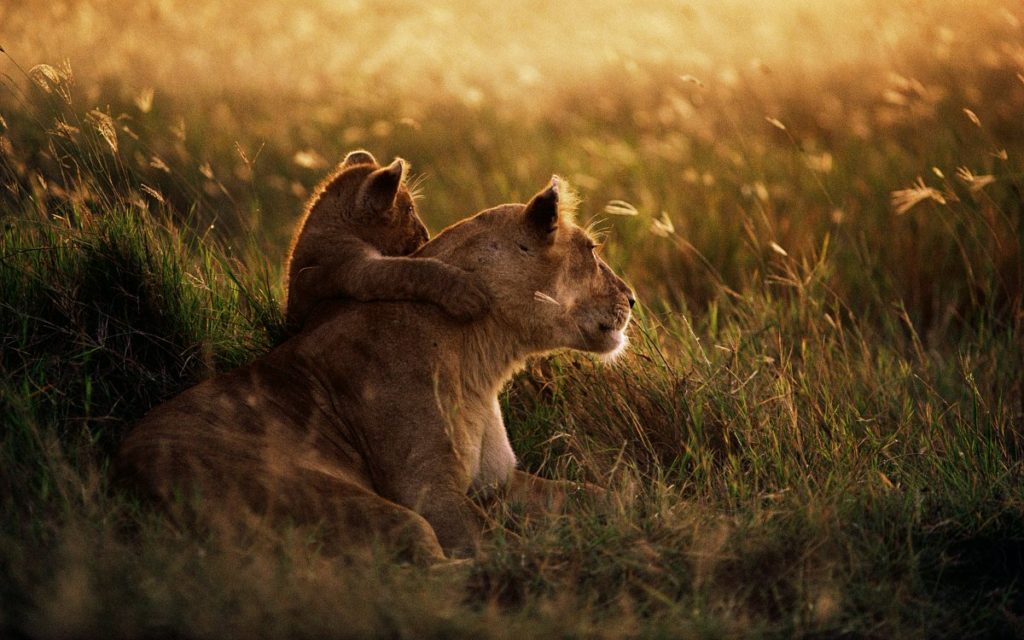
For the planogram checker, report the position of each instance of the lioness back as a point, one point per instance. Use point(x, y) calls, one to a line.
point(359, 225)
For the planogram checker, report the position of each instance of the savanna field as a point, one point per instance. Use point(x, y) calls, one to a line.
point(816, 432)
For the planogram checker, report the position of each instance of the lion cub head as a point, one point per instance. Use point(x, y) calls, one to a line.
point(550, 285)
point(372, 202)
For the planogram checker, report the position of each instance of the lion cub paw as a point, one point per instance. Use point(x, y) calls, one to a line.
point(466, 298)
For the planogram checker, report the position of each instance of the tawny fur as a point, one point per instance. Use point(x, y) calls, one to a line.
point(379, 419)
point(359, 224)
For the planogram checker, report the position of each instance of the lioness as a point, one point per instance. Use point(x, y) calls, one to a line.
point(379, 418)
point(358, 225)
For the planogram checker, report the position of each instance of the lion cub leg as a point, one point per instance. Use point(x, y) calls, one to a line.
point(461, 294)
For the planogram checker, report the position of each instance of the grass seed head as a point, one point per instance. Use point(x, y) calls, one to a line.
point(903, 200)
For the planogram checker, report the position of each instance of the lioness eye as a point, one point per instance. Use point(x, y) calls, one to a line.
point(524, 248)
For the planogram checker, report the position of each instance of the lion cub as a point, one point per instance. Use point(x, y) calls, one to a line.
point(359, 225)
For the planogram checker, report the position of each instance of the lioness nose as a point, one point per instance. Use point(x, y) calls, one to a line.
point(632, 300)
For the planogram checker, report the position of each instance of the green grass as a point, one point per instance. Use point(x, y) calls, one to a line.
point(817, 431)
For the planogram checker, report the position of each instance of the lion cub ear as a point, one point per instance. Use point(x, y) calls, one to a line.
point(542, 211)
point(378, 191)
point(359, 156)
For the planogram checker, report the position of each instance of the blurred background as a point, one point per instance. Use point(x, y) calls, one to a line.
point(724, 134)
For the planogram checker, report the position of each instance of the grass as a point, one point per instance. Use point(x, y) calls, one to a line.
point(817, 431)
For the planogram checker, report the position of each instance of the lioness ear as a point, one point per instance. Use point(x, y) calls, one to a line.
point(378, 192)
point(542, 211)
point(359, 156)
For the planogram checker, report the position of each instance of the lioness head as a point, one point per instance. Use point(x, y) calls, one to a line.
point(550, 285)
point(375, 202)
